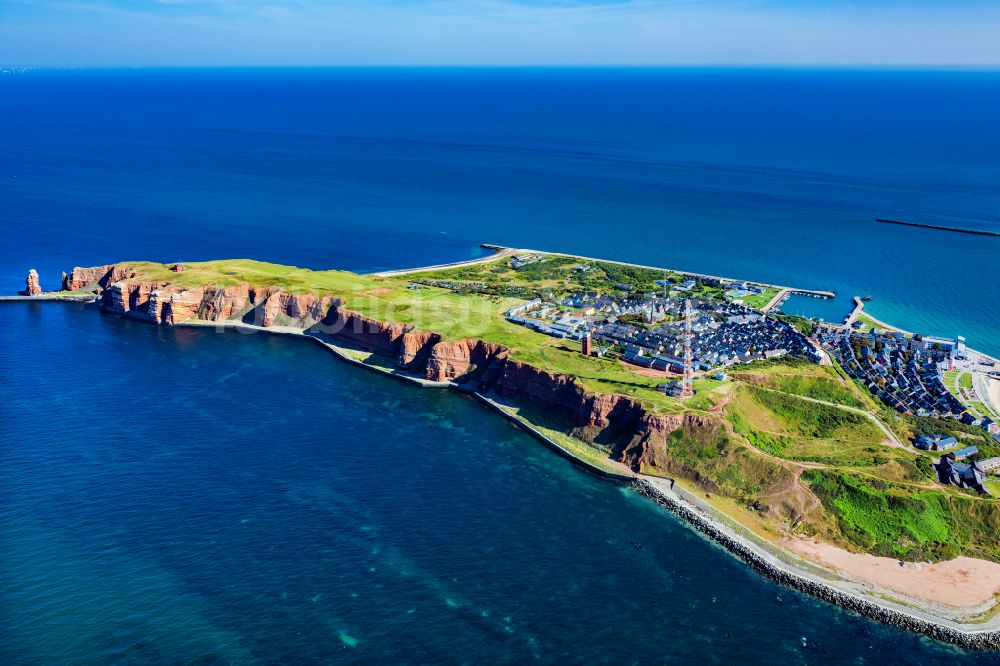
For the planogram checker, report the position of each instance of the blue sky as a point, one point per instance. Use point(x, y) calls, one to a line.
point(496, 32)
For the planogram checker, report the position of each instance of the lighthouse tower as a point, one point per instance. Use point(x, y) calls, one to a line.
point(687, 389)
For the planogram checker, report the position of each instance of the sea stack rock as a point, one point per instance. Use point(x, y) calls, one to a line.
point(32, 288)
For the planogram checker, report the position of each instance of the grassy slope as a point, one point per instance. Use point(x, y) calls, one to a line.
point(813, 381)
point(788, 427)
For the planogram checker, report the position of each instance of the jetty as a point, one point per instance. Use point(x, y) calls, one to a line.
point(939, 227)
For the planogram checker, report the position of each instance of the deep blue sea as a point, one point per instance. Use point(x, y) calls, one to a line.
point(176, 496)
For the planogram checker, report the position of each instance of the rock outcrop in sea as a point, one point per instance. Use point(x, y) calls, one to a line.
point(31, 286)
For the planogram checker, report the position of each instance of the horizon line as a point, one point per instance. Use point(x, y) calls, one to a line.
point(917, 67)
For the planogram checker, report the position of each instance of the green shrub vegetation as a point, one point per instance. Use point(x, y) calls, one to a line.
point(888, 519)
point(967, 434)
point(877, 519)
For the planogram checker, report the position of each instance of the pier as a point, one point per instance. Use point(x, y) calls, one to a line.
point(778, 300)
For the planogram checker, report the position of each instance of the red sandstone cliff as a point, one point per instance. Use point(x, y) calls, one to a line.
point(97, 276)
point(638, 437)
point(462, 359)
point(649, 444)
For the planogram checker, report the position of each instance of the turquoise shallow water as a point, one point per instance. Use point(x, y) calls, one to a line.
point(178, 496)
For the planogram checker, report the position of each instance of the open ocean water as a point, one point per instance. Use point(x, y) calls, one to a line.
point(173, 496)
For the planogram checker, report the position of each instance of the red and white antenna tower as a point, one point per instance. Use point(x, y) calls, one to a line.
point(687, 390)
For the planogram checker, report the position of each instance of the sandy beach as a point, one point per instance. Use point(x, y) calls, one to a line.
point(993, 386)
point(960, 583)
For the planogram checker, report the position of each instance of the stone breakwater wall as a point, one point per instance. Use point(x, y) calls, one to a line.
point(983, 640)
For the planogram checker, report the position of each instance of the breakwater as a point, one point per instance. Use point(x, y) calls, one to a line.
point(979, 640)
point(939, 227)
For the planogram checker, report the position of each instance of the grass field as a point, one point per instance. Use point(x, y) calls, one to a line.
point(789, 427)
point(805, 379)
point(757, 301)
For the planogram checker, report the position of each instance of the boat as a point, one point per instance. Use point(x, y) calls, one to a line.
point(867, 298)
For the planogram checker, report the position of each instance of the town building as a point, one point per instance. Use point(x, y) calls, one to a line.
point(963, 453)
point(935, 443)
point(963, 475)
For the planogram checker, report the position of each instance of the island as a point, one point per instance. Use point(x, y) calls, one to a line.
point(852, 461)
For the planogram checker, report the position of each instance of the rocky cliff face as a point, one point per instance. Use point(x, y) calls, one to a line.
point(415, 349)
point(361, 331)
point(221, 303)
point(649, 445)
point(638, 437)
point(133, 299)
point(96, 276)
point(521, 380)
point(163, 303)
point(463, 360)
point(181, 306)
point(31, 286)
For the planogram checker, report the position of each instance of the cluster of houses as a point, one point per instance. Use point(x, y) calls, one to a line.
point(964, 475)
point(723, 333)
point(904, 373)
point(935, 443)
point(958, 464)
point(523, 260)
